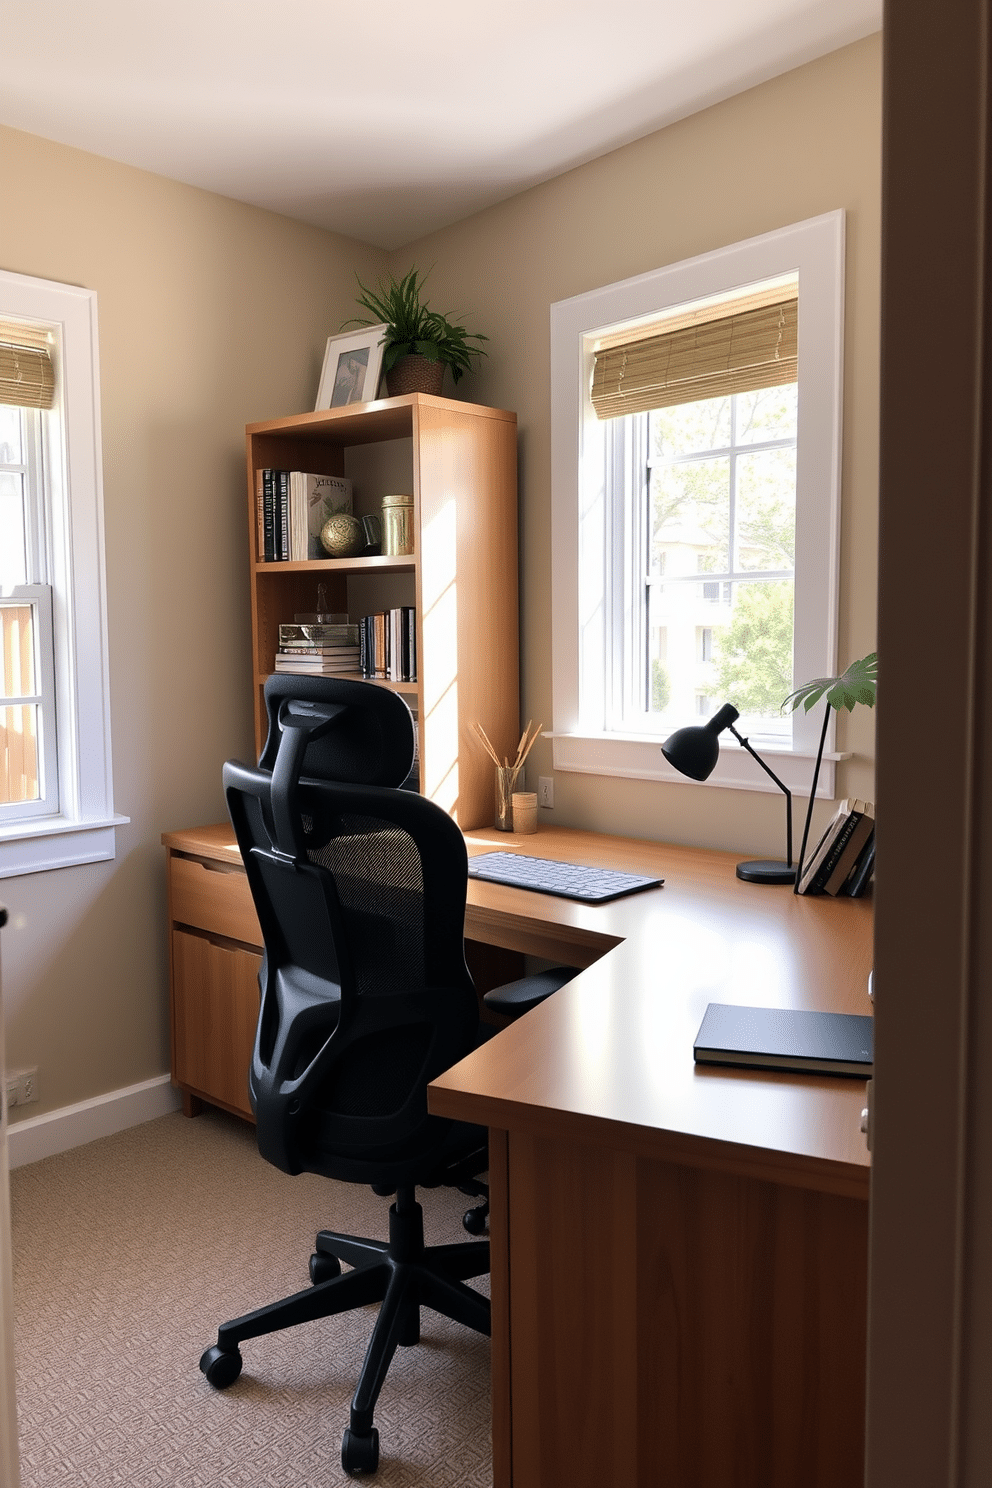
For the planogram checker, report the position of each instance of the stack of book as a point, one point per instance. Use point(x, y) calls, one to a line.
point(319, 650)
point(388, 644)
point(843, 860)
point(292, 507)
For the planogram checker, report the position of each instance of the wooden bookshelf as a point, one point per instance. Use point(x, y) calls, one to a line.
point(458, 460)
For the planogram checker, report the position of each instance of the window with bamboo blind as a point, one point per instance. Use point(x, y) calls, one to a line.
point(735, 346)
point(56, 806)
point(696, 459)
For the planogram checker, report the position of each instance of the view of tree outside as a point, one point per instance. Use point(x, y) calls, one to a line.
point(721, 556)
point(752, 661)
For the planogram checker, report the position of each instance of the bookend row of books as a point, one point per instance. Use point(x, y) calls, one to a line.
point(292, 508)
point(387, 644)
point(843, 861)
point(381, 645)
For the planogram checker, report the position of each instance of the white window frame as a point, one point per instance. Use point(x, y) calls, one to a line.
point(581, 601)
point(82, 829)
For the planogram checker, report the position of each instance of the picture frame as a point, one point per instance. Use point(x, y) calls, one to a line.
point(352, 364)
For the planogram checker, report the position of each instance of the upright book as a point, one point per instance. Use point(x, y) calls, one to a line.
point(318, 497)
point(844, 836)
point(786, 1039)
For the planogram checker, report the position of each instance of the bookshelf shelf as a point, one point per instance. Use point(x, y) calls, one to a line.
point(458, 460)
point(386, 564)
point(407, 689)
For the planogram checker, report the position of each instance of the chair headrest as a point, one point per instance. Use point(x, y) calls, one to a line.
point(355, 732)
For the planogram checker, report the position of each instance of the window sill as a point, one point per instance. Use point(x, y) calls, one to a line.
point(55, 842)
point(640, 758)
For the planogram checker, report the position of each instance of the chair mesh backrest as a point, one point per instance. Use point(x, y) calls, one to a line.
point(365, 993)
point(378, 875)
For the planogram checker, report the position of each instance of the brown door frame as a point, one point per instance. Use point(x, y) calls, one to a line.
point(930, 1333)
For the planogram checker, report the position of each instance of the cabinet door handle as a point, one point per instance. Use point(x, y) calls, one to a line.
point(209, 866)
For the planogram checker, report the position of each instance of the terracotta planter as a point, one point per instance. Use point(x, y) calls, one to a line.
point(415, 374)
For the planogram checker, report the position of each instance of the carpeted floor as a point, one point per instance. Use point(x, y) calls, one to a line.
point(130, 1251)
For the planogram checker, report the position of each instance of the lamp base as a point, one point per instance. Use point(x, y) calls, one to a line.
point(766, 870)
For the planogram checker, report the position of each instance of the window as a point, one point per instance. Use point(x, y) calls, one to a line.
point(717, 495)
point(697, 497)
point(56, 805)
point(28, 765)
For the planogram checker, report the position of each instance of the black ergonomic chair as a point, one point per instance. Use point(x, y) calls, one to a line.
point(360, 891)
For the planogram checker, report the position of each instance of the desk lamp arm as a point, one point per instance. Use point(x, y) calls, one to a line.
point(788, 794)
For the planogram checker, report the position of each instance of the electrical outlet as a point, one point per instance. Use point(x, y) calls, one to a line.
point(545, 791)
point(21, 1087)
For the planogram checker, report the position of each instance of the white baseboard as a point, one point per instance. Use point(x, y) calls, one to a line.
point(71, 1126)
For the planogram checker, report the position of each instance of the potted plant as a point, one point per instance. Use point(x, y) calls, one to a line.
point(419, 342)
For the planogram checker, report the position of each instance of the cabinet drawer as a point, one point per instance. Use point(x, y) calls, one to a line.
point(215, 1010)
point(212, 899)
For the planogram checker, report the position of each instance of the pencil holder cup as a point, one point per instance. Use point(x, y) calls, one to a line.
point(506, 781)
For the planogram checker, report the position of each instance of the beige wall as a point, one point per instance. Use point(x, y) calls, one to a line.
point(802, 144)
point(211, 314)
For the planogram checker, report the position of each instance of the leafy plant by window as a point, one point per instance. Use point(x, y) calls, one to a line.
point(413, 328)
point(857, 685)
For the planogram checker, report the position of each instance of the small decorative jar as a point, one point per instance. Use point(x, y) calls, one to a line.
point(524, 812)
point(397, 525)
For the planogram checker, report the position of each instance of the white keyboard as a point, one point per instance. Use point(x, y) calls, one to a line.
point(567, 880)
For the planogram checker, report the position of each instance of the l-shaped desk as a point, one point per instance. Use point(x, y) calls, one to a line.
point(679, 1253)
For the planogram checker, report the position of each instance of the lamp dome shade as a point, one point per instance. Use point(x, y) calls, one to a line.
point(694, 751)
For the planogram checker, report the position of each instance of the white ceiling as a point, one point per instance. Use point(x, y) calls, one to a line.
point(389, 119)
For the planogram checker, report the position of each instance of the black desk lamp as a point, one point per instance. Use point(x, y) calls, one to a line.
point(694, 752)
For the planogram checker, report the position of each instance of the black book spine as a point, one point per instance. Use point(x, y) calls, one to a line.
point(410, 643)
point(815, 886)
point(863, 871)
point(268, 515)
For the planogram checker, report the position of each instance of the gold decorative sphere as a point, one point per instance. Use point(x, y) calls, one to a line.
point(342, 536)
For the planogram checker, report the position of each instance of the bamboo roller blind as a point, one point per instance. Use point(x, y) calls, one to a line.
point(27, 372)
point(736, 347)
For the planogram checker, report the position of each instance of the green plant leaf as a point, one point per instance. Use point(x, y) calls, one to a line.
point(412, 327)
point(857, 685)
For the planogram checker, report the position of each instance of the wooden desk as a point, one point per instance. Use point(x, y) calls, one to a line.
point(679, 1254)
point(679, 1272)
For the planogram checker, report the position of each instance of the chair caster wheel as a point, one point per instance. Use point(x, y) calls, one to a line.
point(221, 1366)
point(360, 1453)
point(474, 1220)
point(323, 1267)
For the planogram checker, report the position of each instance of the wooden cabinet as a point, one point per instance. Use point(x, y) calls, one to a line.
point(458, 460)
point(215, 951)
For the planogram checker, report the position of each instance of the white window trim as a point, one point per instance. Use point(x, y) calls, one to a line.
point(83, 829)
point(814, 248)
